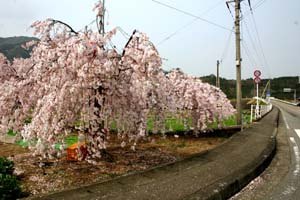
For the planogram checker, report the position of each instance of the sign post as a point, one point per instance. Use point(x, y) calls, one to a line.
point(257, 81)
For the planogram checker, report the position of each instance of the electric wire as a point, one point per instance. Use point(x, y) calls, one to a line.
point(253, 43)
point(245, 46)
point(248, 53)
point(93, 21)
point(189, 23)
point(192, 15)
point(124, 33)
point(177, 31)
point(261, 47)
point(227, 45)
point(257, 5)
point(258, 37)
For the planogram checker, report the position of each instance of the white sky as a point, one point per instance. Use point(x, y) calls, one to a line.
point(196, 47)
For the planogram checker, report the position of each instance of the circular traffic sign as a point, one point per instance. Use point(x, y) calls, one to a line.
point(257, 80)
point(257, 73)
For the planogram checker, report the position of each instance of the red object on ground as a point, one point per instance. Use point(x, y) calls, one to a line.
point(72, 151)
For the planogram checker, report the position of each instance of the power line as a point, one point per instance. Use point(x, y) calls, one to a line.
point(248, 53)
point(85, 27)
point(177, 31)
point(257, 5)
point(260, 56)
point(124, 33)
point(225, 51)
point(260, 44)
point(252, 42)
point(189, 23)
point(192, 15)
point(246, 49)
point(212, 7)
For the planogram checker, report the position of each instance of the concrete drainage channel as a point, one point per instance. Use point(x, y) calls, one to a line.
point(216, 174)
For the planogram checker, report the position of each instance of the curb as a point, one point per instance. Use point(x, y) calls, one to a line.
point(228, 186)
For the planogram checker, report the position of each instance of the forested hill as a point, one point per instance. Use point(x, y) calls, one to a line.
point(249, 88)
point(11, 47)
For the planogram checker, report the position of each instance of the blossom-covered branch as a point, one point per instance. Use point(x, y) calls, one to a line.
point(72, 80)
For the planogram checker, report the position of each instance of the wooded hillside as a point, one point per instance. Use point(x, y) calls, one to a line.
point(249, 88)
point(11, 47)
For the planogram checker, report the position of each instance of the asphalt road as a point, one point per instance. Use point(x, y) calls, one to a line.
point(281, 180)
point(290, 185)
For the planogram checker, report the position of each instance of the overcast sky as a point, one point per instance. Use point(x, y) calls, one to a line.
point(272, 47)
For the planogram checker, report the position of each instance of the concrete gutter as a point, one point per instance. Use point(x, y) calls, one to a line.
point(216, 174)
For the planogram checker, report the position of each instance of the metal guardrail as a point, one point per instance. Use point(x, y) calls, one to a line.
point(259, 111)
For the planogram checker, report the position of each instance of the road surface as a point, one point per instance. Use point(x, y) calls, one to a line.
point(281, 180)
point(290, 185)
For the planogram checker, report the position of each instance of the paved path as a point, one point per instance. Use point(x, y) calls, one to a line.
point(215, 174)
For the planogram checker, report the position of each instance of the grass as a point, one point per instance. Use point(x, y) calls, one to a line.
point(177, 124)
point(68, 139)
point(173, 124)
point(231, 121)
point(22, 143)
point(71, 140)
point(11, 133)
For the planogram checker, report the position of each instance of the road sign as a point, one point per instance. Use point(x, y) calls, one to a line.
point(268, 94)
point(257, 80)
point(257, 73)
point(287, 89)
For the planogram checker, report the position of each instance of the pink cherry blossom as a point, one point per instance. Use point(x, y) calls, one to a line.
point(74, 81)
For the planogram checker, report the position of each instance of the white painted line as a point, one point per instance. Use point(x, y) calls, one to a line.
point(286, 124)
point(293, 140)
point(298, 132)
point(297, 167)
point(284, 119)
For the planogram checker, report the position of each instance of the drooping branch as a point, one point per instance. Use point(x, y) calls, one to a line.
point(65, 24)
point(123, 53)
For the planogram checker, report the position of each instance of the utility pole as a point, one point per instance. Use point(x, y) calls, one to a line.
point(238, 62)
point(103, 7)
point(101, 19)
point(238, 57)
point(218, 74)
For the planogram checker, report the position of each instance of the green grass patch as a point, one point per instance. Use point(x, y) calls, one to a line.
point(10, 132)
point(22, 143)
point(174, 124)
point(68, 139)
point(231, 121)
point(71, 139)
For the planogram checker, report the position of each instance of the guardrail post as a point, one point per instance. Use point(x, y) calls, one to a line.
point(251, 118)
